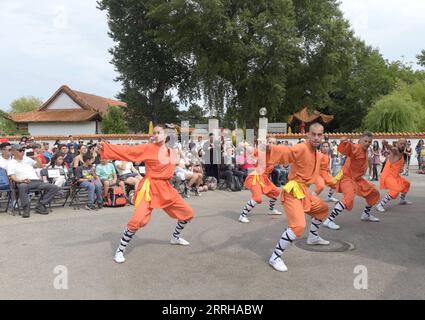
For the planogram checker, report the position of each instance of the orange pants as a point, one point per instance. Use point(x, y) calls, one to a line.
point(362, 188)
point(257, 193)
point(179, 210)
point(396, 185)
point(295, 211)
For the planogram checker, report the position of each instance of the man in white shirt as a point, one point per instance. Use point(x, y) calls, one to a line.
point(6, 154)
point(26, 179)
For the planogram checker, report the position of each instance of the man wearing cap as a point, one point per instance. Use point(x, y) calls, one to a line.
point(26, 179)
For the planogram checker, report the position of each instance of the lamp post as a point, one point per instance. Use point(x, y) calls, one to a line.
point(262, 125)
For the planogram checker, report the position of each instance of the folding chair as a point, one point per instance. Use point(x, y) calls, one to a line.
point(5, 189)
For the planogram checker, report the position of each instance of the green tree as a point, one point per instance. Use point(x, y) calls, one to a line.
point(395, 112)
point(194, 114)
point(421, 58)
point(25, 104)
point(113, 121)
point(366, 80)
point(7, 126)
point(148, 70)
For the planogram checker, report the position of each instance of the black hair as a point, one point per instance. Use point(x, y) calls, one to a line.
point(4, 145)
point(87, 156)
point(55, 157)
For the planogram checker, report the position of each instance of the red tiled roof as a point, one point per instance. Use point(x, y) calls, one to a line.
point(92, 106)
point(100, 104)
point(60, 115)
point(87, 101)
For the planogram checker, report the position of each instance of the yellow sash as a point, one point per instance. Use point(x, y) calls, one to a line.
point(257, 179)
point(338, 177)
point(295, 188)
point(145, 191)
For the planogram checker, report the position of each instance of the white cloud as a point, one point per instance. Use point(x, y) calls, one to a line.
point(396, 27)
point(47, 44)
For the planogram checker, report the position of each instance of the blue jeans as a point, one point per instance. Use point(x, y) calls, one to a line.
point(92, 188)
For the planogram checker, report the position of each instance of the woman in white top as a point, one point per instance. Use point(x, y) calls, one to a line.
point(128, 174)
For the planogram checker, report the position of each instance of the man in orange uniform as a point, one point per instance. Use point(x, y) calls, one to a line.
point(297, 200)
point(352, 182)
point(259, 184)
point(155, 190)
point(325, 179)
point(391, 179)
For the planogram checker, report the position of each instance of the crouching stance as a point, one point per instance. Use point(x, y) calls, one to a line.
point(297, 200)
point(154, 191)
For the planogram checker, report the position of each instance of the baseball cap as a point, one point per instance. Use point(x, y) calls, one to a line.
point(17, 147)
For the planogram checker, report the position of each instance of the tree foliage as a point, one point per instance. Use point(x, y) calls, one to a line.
point(240, 55)
point(113, 121)
point(396, 112)
point(25, 104)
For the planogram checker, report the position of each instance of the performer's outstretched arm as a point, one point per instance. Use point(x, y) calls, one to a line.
point(281, 154)
point(345, 147)
point(123, 152)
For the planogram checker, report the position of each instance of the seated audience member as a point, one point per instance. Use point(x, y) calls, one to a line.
point(57, 163)
point(87, 179)
point(228, 169)
point(194, 179)
point(78, 159)
point(47, 153)
point(128, 174)
point(26, 180)
point(108, 176)
point(6, 154)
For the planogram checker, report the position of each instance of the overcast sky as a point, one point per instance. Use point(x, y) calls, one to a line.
point(46, 44)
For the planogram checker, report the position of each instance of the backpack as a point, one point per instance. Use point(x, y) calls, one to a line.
point(4, 180)
point(236, 184)
point(116, 197)
point(211, 183)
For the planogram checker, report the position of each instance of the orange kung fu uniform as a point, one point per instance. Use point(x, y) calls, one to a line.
point(155, 190)
point(258, 181)
point(324, 178)
point(390, 179)
point(352, 182)
point(296, 198)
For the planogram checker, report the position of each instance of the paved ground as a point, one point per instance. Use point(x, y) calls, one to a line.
point(226, 259)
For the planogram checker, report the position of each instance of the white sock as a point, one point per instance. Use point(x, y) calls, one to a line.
point(367, 210)
point(125, 239)
point(339, 207)
point(248, 207)
point(314, 228)
point(403, 196)
point(179, 228)
point(385, 200)
point(331, 193)
point(287, 237)
point(272, 202)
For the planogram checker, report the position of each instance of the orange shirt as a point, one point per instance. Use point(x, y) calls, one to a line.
point(159, 163)
point(391, 170)
point(356, 163)
point(324, 179)
point(304, 159)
